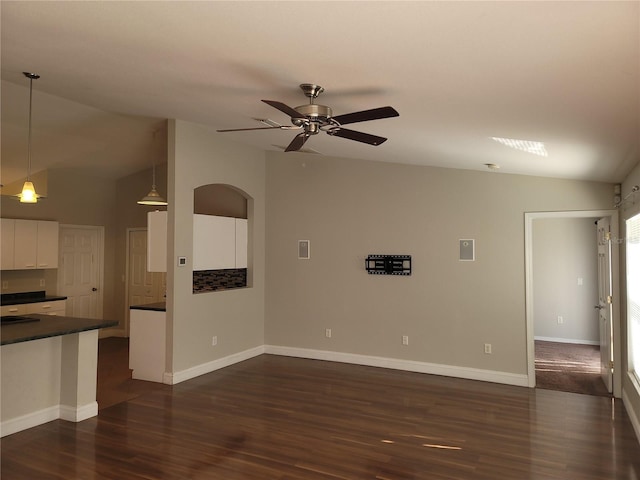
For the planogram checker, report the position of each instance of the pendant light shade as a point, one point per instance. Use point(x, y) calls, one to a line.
point(153, 197)
point(28, 194)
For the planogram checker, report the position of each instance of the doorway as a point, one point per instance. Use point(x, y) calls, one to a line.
point(142, 287)
point(81, 264)
point(555, 316)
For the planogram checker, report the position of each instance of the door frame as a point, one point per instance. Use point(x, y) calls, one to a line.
point(100, 263)
point(529, 218)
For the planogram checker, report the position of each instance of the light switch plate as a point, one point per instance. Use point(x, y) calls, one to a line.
point(182, 261)
point(467, 250)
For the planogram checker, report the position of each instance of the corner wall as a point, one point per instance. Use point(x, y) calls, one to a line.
point(198, 156)
point(449, 309)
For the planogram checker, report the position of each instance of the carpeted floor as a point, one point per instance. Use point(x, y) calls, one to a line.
point(569, 368)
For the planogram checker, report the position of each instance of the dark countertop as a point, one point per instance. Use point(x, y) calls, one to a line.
point(50, 326)
point(28, 297)
point(157, 307)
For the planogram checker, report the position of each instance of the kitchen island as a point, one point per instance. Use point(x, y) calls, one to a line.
point(49, 370)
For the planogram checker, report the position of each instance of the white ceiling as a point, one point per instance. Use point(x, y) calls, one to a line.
point(563, 73)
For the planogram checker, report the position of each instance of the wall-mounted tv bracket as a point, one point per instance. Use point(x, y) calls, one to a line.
point(388, 264)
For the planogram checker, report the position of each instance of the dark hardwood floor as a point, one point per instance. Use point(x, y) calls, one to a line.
point(284, 418)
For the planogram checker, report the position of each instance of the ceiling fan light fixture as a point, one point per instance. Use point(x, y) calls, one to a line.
point(529, 146)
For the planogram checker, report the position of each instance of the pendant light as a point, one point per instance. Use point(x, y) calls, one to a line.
point(153, 197)
point(28, 194)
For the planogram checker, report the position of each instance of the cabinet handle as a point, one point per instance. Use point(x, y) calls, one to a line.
point(13, 310)
point(43, 264)
point(44, 307)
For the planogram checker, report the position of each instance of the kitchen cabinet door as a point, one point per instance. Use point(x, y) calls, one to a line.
point(242, 240)
point(157, 241)
point(214, 242)
point(7, 244)
point(26, 245)
point(47, 245)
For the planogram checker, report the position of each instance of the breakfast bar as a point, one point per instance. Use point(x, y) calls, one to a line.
point(49, 370)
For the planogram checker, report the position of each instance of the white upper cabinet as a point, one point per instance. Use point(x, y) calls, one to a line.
point(214, 242)
point(29, 244)
point(242, 240)
point(47, 248)
point(7, 229)
point(157, 241)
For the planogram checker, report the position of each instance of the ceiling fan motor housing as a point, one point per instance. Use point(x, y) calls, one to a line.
point(317, 116)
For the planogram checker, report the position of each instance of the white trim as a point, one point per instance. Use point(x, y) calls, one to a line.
point(62, 412)
point(574, 341)
point(398, 364)
point(189, 373)
point(529, 217)
point(17, 424)
point(631, 412)
point(78, 414)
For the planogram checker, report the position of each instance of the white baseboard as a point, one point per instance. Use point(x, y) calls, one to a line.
point(34, 419)
point(398, 364)
point(632, 414)
point(77, 414)
point(568, 340)
point(181, 376)
point(63, 412)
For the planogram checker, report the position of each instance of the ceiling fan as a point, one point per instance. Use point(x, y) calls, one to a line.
point(313, 118)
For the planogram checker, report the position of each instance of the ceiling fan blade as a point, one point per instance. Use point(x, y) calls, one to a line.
point(247, 129)
point(275, 127)
point(297, 142)
point(357, 136)
point(284, 108)
point(366, 115)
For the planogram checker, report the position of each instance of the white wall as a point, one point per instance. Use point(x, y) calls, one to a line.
point(565, 250)
point(449, 309)
point(198, 156)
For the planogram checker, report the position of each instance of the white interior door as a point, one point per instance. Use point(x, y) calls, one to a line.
point(604, 301)
point(79, 277)
point(143, 287)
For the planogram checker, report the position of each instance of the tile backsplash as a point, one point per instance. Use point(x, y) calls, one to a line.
point(215, 280)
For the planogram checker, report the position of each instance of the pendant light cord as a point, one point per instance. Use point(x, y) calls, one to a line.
point(29, 135)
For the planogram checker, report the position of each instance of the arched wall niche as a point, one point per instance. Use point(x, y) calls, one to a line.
point(220, 199)
point(215, 266)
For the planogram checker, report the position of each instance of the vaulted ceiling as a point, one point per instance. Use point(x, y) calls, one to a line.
point(565, 74)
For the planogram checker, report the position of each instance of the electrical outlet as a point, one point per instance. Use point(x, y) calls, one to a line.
point(42, 282)
point(327, 333)
point(5, 284)
point(405, 340)
point(487, 348)
point(214, 340)
point(560, 320)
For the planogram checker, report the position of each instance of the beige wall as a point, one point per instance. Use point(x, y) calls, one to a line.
point(198, 156)
point(628, 210)
point(449, 309)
